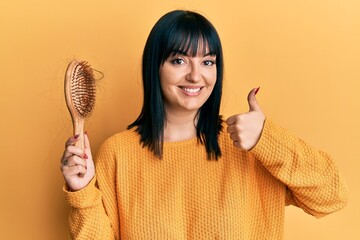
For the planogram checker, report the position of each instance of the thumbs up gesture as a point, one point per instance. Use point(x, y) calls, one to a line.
point(245, 129)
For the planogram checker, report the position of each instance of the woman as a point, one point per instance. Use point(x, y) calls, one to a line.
point(176, 173)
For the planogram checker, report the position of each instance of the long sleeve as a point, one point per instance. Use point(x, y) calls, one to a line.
point(312, 179)
point(93, 213)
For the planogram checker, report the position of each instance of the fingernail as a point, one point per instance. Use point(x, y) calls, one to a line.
point(85, 156)
point(76, 136)
point(86, 133)
point(256, 91)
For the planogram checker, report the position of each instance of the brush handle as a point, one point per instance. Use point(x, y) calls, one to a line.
point(78, 127)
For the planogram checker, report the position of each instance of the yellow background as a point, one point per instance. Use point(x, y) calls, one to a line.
point(303, 54)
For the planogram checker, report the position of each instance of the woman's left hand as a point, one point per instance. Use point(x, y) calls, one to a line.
point(245, 129)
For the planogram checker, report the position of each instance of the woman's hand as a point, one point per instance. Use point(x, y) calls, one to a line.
point(77, 165)
point(245, 129)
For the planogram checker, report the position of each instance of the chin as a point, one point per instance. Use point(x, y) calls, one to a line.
point(192, 106)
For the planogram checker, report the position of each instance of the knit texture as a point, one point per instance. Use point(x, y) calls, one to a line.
point(186, 196)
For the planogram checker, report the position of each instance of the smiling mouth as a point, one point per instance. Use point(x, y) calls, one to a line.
point(191, 90)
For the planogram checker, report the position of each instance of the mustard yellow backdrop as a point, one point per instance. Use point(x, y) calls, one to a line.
point(303, 54)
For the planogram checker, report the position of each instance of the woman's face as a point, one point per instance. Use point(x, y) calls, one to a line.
point(186, 81)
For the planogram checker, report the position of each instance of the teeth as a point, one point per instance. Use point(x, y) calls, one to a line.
point(191, 90)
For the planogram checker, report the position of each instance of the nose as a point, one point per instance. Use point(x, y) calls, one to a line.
point(194, 74)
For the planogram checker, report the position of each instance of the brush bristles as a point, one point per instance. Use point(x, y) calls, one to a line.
point(83, 89)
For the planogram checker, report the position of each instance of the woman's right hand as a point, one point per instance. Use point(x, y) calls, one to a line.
point(77, 165)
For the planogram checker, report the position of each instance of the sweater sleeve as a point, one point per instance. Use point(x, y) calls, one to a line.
point(312, 179)
point(93, 210)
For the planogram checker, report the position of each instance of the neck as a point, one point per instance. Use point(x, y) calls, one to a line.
point(179, 126)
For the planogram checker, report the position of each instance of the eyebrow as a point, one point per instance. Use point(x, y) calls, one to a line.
point(180, 52)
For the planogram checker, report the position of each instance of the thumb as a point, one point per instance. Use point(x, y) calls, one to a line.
point(86, 142)
point(253, 104)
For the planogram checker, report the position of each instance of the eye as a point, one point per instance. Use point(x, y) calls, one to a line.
point(177, 61)
point(209, 62)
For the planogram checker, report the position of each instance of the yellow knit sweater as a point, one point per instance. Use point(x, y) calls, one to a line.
point(185, 196)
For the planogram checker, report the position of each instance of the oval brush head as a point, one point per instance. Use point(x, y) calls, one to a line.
point(80, 93)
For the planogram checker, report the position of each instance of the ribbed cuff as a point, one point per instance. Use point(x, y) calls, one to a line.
point(84, 198)
point(272, 144)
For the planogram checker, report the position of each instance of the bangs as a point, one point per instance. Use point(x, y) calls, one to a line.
point(189, 45)
point(188, 36)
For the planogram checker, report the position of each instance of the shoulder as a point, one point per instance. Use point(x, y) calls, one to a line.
point(118, 146)
point(121, 141)
point(128, 135)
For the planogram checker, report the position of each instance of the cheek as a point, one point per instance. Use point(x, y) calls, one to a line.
point(168, 77)
point(167, 88)
point(211, 79)
point(211, 84)
point(211, 74)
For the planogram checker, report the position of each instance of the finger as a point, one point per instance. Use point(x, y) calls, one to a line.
point(232, 128)
point(234, 137)
point(72, 140)
point(231, 120)
point(237, 144)
point(253, 104)
point(74, 171)
point(86, 142)
point(75, 160)
point(73, 150)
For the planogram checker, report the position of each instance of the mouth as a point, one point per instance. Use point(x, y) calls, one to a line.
point(191, 90)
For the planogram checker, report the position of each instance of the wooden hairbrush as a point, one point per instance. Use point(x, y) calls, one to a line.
point(80, 93)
